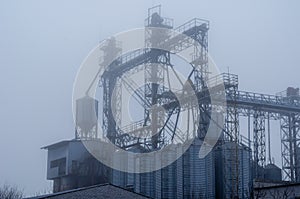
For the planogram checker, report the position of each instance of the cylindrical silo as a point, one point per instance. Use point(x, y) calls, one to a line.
point(226, 167)
point(86, 117)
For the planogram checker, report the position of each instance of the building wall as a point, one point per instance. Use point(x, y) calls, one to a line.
point(79, 167)
point(56, 154)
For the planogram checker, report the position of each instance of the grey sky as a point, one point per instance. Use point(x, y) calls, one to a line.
point(42, 44)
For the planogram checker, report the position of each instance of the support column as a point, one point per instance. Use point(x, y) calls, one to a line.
point(290, 146)
point(231, 157)
point(259, 142)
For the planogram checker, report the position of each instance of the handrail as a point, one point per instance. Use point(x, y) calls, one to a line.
point(191, 23)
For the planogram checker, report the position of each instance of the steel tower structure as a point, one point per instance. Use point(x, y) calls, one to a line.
point(156, 63)
point(258, 107)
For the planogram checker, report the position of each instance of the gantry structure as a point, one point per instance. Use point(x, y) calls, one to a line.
point(258, 108)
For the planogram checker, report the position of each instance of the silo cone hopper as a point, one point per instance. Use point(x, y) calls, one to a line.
point(86, 118)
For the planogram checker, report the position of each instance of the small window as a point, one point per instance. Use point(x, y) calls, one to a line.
point(61, 164)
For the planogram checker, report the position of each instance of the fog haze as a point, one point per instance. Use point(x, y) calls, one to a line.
point(42, 44)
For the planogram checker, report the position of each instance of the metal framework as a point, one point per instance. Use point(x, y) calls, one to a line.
point(156, 63)
point(259, 141)
point(232, 123)
point(290, 139)
point(239, 103)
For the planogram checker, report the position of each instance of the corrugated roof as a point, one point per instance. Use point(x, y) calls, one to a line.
point(103, 191)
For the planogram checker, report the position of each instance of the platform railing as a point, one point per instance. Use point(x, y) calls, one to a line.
point(190, 24)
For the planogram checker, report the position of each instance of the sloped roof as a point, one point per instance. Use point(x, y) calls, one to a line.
point(103, 191)
point(61, 143)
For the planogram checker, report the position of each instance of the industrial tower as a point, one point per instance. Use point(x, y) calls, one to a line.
point(259, 109)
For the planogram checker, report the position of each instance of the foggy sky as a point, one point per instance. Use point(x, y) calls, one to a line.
point(42, 44)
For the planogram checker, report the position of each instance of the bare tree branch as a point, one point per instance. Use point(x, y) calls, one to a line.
point(10, 192)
